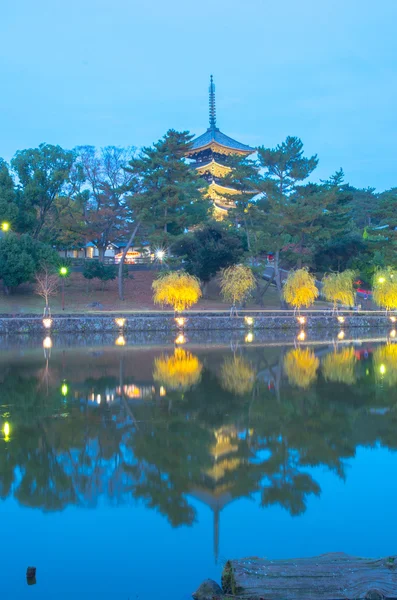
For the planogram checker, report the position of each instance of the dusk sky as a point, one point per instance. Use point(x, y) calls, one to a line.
point(122, 72)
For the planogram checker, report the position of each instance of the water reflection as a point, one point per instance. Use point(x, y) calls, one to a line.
point(83, 426)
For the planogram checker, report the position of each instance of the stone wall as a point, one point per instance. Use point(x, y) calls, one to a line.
point(195, 321)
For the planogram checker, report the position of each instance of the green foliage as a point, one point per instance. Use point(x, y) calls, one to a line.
point(8, 206)
point(209, 249)
point(21, 257)
point(94, 269)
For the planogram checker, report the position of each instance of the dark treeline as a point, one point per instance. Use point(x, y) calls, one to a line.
point(55, 199)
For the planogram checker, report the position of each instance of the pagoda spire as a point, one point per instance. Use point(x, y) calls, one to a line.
point(212, 104)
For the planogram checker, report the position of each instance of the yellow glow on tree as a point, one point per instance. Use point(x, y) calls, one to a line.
point(300, 366)
point(338, 288)
point(180, 371)
point(177, 289)
point(384, 288)
point(300, 288)
point(237, 283)
point(237, 376)
point(385, 364)
point(339, 366)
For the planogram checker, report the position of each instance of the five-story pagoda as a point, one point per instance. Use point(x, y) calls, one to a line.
point(210, 151)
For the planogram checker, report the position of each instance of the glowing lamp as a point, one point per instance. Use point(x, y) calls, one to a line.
point(63, 271)
point(120, 322)
point(302, 320)
point(120, 341)
point(47, 343)
point(301, 336)
point(249, 320)
point(5, 226)
point(341, 319)
point(160, 254)
point(47, 323)
point(381, 280)
point(249, 337)
point(6, 431)
point(180, 321)
point(393, 319)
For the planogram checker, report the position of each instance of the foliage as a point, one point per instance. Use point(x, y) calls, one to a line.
point(300, 288)
point(21, 257)
point(237, 283)
point(339, 366)
point(237, 376)
point(384, 288)
point(8, 205)
point(338, 287)
point(300, 366)
point(43, 175)
point(385, 364)
point(177, 289)
point(208, 249)
point(181, 371)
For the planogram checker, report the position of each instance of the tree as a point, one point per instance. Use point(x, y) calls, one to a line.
point(46, 286)
point(237, 283)
point(284, 167)
point(165, 194)
point(8, 205)
point(338, 287)
point(207, 250)
point(177, 289)
point(21, 257)
point(43, 175)
point(107, 211)
point(300, 288)
point(384, 288)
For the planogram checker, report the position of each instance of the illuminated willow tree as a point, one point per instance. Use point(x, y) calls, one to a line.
point(384, 288)
point(339, 366)
point(237, 283)
point(338, 288)
point(300, 289)
point(237, 376)
point(178, 289)
point(180, 371)
point(300, 366)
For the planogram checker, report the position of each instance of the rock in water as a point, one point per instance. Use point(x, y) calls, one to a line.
point(208, 590)
point(31, 572)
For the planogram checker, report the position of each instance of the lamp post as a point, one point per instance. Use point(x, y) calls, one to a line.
point(63, 273)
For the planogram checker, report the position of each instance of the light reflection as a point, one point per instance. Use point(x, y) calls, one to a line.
point(249, 337)
point(120, 341)
point(341, 335)
point(180, 339)
point(392, 334)
point(6, 431)
point(301, 336)
point(64, 389)
point(47, 343)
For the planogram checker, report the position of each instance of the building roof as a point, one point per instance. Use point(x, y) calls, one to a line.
point(215, 136)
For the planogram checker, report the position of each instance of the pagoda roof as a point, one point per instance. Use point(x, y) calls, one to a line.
point(215, 136)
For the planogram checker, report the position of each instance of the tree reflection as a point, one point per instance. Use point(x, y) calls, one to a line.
point(246, 427)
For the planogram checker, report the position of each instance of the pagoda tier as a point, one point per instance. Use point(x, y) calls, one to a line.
point(209, 152)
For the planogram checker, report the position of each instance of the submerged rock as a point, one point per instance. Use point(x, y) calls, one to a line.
point(208, 590)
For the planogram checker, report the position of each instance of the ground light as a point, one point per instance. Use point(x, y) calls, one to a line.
point(47, 323)
point(341, 319)
point(302, 320)
point(180, 321)
point(249, 320)
point(120, 322)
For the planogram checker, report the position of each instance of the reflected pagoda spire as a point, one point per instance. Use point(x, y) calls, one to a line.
point(212, 104)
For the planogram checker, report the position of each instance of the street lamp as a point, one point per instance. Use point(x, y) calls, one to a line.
point(63, 272)
point(5, 226)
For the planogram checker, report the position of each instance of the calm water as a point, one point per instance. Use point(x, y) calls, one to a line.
point(134, 471)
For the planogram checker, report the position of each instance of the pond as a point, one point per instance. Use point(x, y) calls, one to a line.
point(134, 471)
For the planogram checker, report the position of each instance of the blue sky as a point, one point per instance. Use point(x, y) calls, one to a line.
point(122, 72)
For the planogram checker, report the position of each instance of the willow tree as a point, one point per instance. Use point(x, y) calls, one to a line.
point(177, 289)
point(237, 283)
point(338, 288)
point(300, 289)
point(300, 366)
point(384, 288)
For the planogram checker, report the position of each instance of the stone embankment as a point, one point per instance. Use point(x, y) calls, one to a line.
point(205, 321)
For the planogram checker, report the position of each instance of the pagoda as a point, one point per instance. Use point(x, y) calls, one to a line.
point(209, 152)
